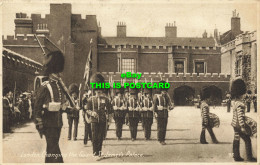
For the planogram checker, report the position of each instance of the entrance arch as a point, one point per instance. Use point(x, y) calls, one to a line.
point(215, 94)
point(184, 95)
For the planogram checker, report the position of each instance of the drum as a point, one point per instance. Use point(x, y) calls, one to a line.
point(251, 126)
point(213, 120)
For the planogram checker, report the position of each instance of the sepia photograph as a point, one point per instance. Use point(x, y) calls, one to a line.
point(129, 81)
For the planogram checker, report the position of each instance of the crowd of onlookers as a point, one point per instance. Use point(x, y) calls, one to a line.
point(17, 108)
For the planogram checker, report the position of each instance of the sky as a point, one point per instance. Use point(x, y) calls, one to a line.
point(145, 18)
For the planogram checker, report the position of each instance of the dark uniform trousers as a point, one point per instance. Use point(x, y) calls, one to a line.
point(133, 124)
point(87, 133)
point(228, 106)
point(53, 154)
point(147, 118)
point(161, 127)
point(76, 122)
point(119, 121)
point(248, 106)
point(98, 130)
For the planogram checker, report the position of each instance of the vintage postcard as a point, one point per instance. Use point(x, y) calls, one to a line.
point(129, 81)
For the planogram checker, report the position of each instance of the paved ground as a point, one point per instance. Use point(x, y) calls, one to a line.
point(25, 145)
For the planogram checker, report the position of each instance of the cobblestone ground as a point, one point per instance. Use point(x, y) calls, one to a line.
point(183, 131)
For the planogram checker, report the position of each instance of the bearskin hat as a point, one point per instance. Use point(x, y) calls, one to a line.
point(53, 62)
point(6, 90)
point(205, 93)
point(133, 91)
point(249, 92)
point(73, 88)
point(126, 89)
point(163, 89)
point(97, 78)
point(119, 90)
point(238, 88)
point(148, 90)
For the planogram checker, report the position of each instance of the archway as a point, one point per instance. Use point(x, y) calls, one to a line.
point(184, 95)
point(215, 94)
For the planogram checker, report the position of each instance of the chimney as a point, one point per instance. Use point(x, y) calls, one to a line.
point(235, 24)
point(205, 34)
point(99, 29)
point(171, 30)
point(23, 25)
point(121, 29)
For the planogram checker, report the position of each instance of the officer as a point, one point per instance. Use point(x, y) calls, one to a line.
point(248, 100)
point(147, 113)
point(87, 130)
point(205, 99)
point(133, 114)
point(162, 103)
point(98, 107)
point(238, 90)
point(49, 103)
point(255, 100)
point(74, 115)
point(228, 98)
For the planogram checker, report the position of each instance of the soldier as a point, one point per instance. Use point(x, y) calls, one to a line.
point(87, 130)
point(98, 107)
point(7, 105)
point(238, 90)
point(147, 113)
point(119, 112)
point(126, 96)
point(162, 103)
point(73, 116)
point(248, 100)
point(228, 98)
point(49, 103)
point(133, 113)
point(205, 99)
point(255, 100)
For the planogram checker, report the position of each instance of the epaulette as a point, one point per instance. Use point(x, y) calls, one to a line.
point(45, 83)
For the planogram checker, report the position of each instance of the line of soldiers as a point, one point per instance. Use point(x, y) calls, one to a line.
point(248, 99)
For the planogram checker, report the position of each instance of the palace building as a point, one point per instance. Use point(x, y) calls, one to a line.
point(189, 64)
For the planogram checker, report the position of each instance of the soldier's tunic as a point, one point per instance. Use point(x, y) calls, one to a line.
point(161, 104)
point(119, 114)
point(102, 107)
point(248, 101)
point(87, 130)
point(133, 115)
point(52, 120)
point(238, 122)
point(73, 117)
point(147, 116)
point(6, 114)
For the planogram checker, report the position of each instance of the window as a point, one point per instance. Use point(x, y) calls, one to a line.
point(179, 66)
point(238, 67)
point(128, 65)
point(199, 67)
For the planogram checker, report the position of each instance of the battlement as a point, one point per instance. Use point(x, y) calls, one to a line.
point(170, 77)
point(22, 39)
point(162, 47)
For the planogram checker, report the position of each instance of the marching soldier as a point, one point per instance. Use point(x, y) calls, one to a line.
point(98, 107)
point(228, 98)
point(49, 103)
point(87, 130)
point(133, 113)
point(238, 90)
point(255, 100)
point(248, 100)
point(205, 99)
point(147, 113)
point(119, 112)
point(73, 116)
point(162, 102)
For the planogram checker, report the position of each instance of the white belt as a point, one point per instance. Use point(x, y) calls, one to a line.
point(53, 106)
point(160, 108)
point(119, 108)
point(133, 109)
point(147, 109)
